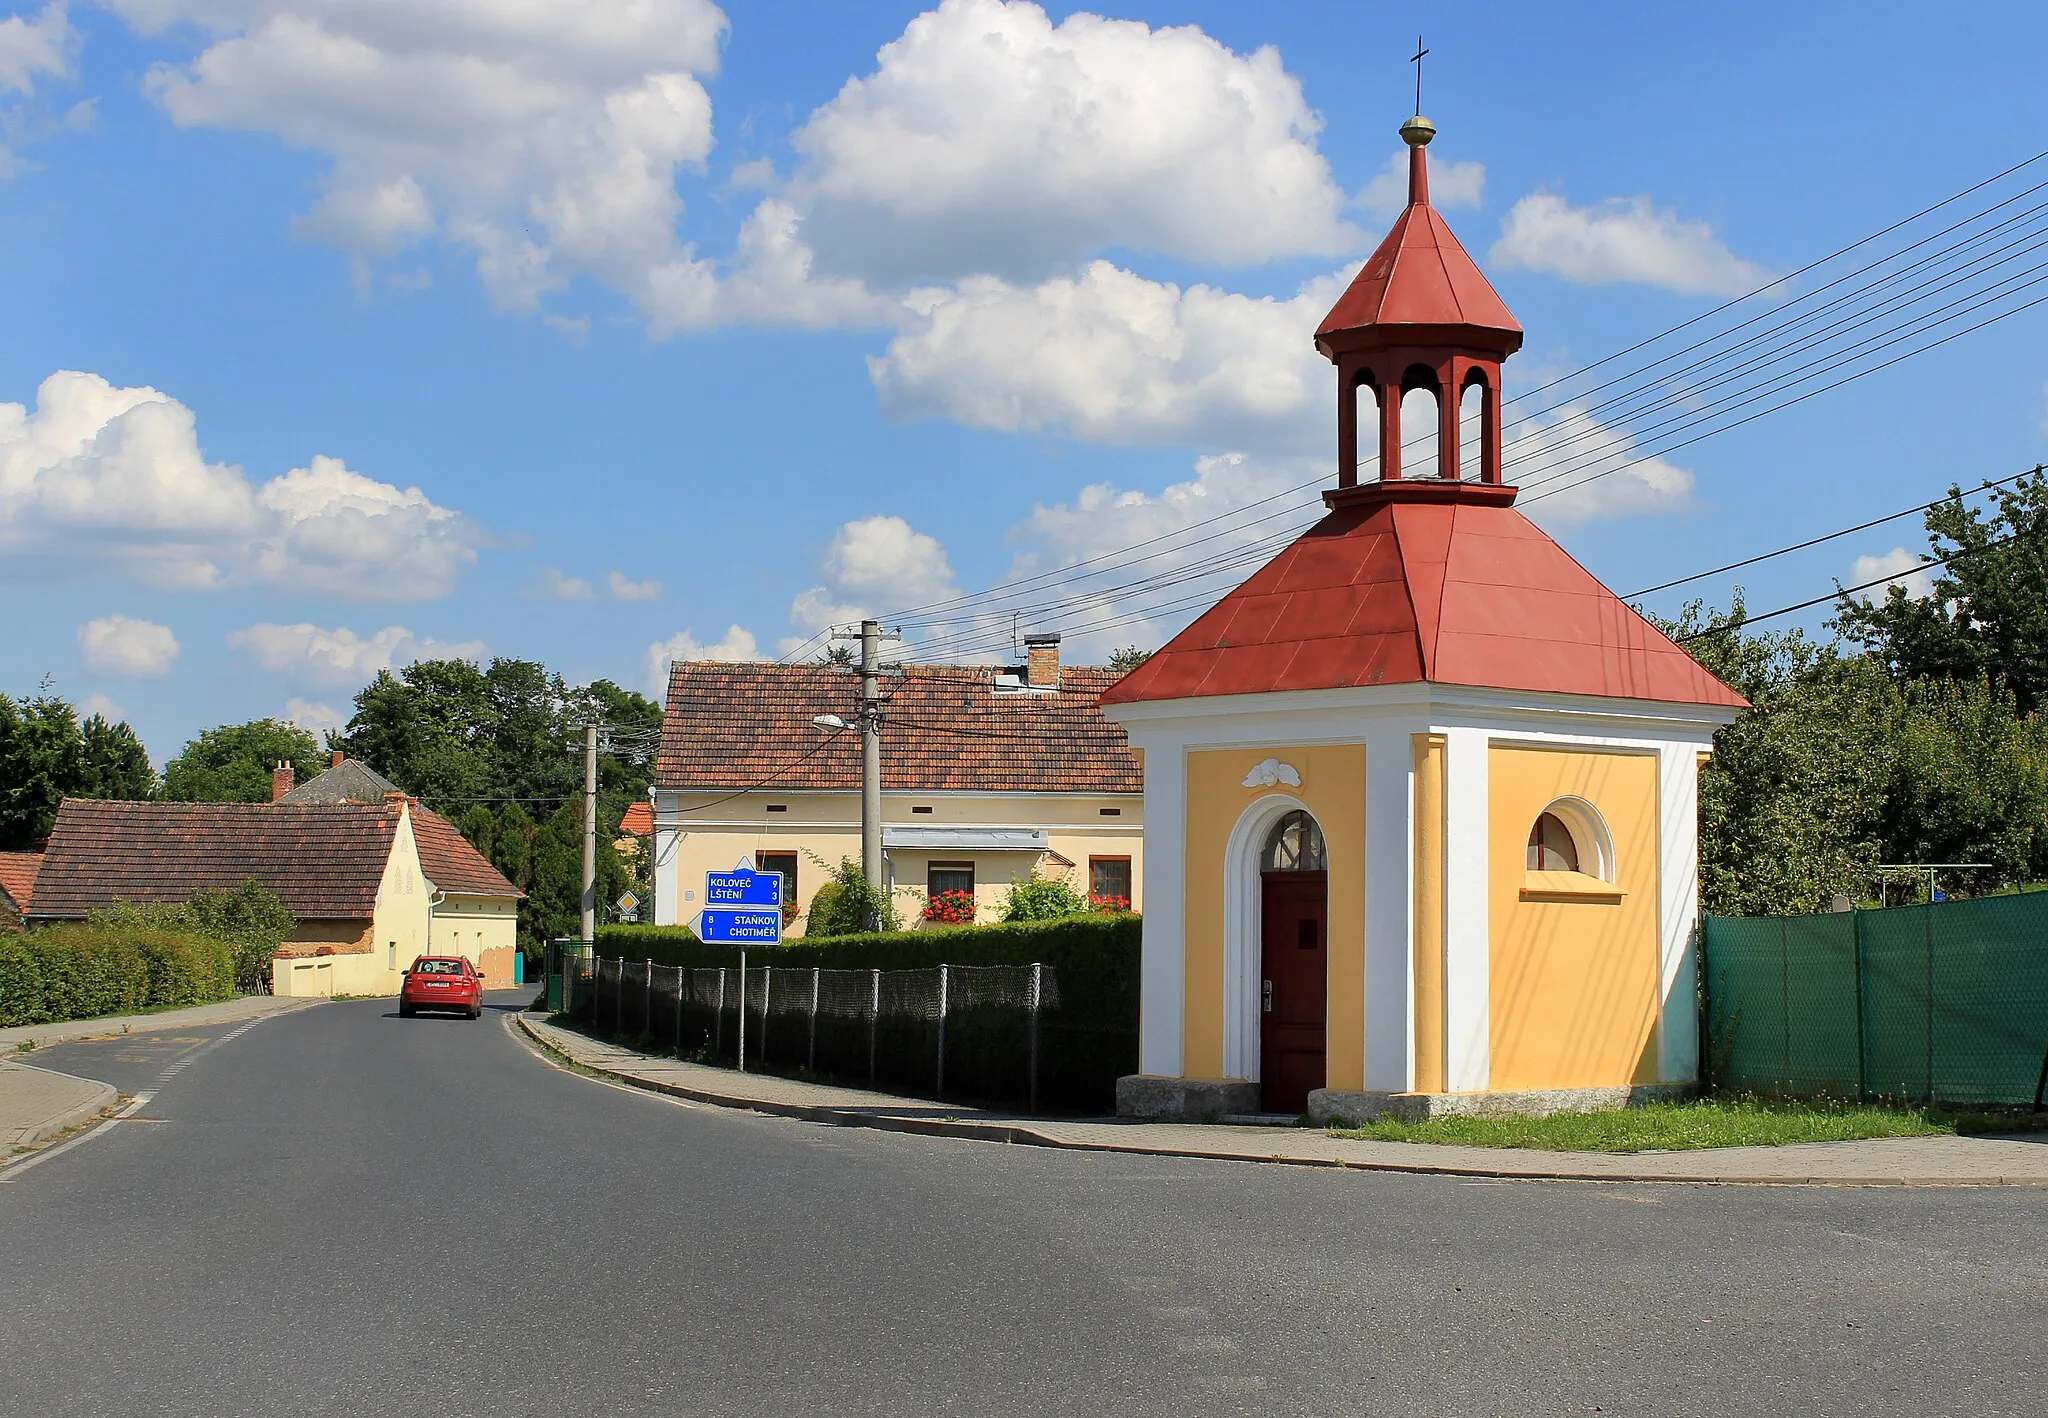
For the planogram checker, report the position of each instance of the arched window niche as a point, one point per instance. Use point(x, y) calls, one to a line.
point(1570, 856)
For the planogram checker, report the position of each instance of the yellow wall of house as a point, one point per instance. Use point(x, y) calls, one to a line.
point(485, 929)
point(1574, 988)
point(1333, 789)
point(823, 828)
point(360, 973)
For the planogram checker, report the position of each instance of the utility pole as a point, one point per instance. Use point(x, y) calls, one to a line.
point(871, 757)
point(589, 836)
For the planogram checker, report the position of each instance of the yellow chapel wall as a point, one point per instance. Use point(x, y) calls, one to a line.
point(1574, 984)
point(1333, 790)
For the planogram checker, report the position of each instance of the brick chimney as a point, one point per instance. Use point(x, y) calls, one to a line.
point(1042, 660)
point(281, 780)
point(334, 758)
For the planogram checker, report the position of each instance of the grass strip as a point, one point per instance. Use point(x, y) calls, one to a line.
point(1676, 1127)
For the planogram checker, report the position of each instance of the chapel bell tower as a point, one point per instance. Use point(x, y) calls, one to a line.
point(1419, 316)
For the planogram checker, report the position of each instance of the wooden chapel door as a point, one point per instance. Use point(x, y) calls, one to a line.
point(1294, 989)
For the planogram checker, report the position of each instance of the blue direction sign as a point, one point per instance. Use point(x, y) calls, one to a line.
point(743, 886)
point(740, 925)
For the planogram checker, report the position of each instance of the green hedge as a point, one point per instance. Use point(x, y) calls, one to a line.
point(84, 972)
point(1086, 1044)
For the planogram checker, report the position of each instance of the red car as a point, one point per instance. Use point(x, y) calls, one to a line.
point(441, 982)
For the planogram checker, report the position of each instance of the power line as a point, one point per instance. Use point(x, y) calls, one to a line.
point(1828, 537)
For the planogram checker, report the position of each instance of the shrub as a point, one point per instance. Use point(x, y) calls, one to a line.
point(250, 919)
point(1099, 901)
point(1037, 899)
point(949, 908)
point(108, 967)
point(847, 904)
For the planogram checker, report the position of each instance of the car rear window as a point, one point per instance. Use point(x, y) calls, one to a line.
point(437, 967)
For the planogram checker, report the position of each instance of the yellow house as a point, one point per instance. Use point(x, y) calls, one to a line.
point(1420, 795)
point(988, 775)
point(370, 885)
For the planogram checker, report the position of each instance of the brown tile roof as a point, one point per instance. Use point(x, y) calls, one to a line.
point(944, 728)
point(18, 877)
point(325, 862)
point(447, 859)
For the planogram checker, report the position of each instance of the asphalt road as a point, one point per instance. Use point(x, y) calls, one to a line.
point(342, 1212)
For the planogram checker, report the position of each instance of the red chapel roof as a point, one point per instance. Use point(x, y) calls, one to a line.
point(1404, 592)
point(1420, 275)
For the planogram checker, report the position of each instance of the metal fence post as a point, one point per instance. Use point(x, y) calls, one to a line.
point(743, 1009)
point(1037, 973)
point(767, 993)
point(939, 1085)
point(811, 1053)
point(718, 1019)
point(874, 1018)
point(647, 1014)
point(1862, 1066)
point(680, 972)
point(1927, 915)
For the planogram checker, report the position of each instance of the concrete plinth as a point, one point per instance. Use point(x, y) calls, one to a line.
point(1183, 1100)
point(1334, 1107)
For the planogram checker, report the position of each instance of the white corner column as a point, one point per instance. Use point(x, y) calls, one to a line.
point(1468, 1008)
point(1389, 975)
point(1678, 876)
point(1163, 972)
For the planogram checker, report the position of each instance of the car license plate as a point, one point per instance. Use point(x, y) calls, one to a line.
point(437, 984)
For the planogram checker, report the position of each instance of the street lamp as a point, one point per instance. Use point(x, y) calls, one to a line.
point(830, 721)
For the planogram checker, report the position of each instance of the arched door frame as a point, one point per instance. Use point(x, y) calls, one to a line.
point(1243, 928)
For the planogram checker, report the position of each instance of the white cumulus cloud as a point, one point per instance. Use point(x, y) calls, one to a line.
point(312, 716)
point(874, 565)
point(1573, 468)
point(545, 137)
point(33, 47)
point(1622, 241)
point(1112, 357)
point(1451, 184)
point(132, 649)
point(102, 476)
point(737, 647)
point(559, 587)
point(338, 656)
point(1899, 567)
point(625, 588)
point(989, 140)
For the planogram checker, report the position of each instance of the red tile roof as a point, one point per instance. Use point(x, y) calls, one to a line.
point(451, 863)
point(945, 728)
point(1391, 591)
point(18, 877)
point(638, 820)
point(325, 862)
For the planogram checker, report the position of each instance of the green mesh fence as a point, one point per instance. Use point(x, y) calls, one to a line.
point(1945, 1003)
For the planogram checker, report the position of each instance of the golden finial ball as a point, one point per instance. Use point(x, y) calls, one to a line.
point(1417, 131)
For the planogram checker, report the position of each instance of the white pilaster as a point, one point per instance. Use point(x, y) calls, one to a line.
point(1161, 1015)
point(1678, 912)
point(1468, 1009)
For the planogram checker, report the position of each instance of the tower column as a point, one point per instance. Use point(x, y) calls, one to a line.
point(1449, 426)
point(1347, 424)
point(1390, 429)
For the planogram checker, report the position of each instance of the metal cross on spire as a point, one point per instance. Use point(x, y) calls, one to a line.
point(1417, 62)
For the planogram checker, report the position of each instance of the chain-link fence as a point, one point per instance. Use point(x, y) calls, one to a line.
point(1939, 1003)
point(986, 1034)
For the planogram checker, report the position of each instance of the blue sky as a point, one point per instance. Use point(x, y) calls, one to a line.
point(342, 332)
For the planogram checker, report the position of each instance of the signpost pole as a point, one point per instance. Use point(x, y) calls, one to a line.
point(743, 1009)
point(589, 835)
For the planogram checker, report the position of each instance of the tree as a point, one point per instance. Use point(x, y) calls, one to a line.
point(114, 763)
point(847, 905)
point(1038, 898)
point(1987, 618)
point(42, 762)
point(233, 763)
point(1127, 659)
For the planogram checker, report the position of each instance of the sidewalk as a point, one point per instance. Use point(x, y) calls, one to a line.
point(1904, 1161)
point(245, 1007)
point(36, 1103)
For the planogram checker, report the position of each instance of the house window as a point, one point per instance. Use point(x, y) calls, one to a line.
point(784, 862)
point(1109, 879)
point(778, 807)
point(1551, 845)
point(1109, 812)
point(391, 956)
point(921, 809)
point(948, 876)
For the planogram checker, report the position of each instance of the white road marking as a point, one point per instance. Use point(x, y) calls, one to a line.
point(15, 1169)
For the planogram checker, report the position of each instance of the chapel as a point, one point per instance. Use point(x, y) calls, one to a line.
point(1421, 794)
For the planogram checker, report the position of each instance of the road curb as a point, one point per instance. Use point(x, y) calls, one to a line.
point(73, 1031)
point(1026, 1135)
point(80, 1100)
